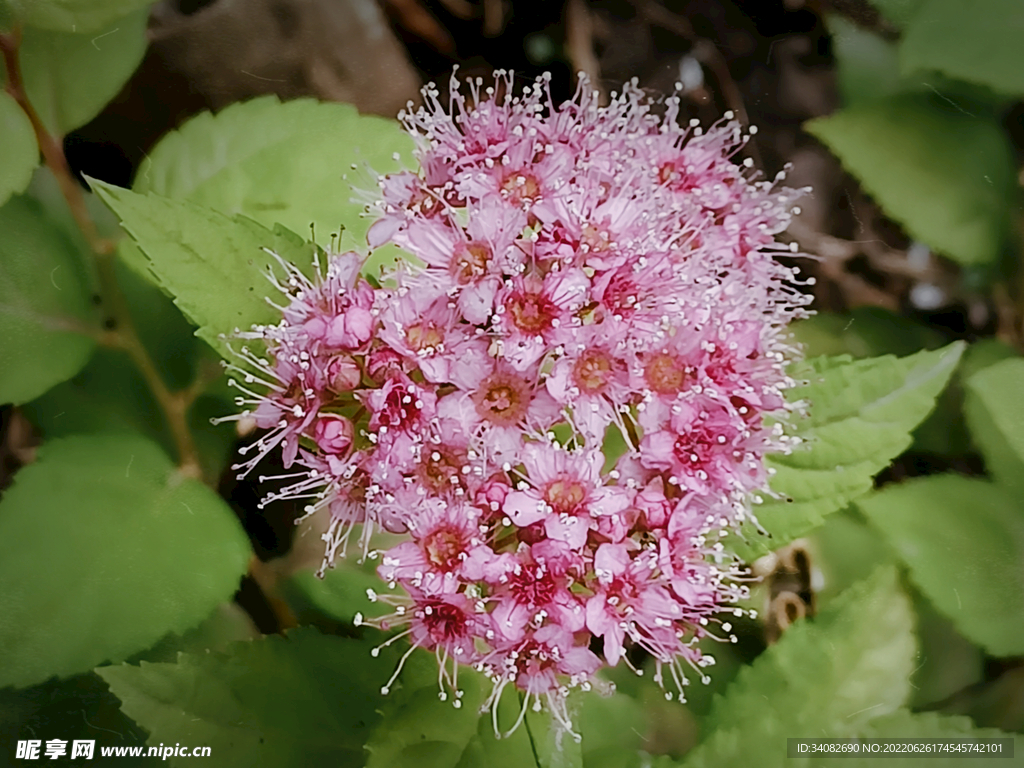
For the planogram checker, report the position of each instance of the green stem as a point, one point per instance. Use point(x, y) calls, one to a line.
point(121, 330)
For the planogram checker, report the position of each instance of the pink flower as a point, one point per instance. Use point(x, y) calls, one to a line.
point(534, 589)
point(446, 550)
point(400, 405)
point(582, 279)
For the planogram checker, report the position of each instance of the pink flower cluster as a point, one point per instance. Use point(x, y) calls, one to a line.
point(564, 405)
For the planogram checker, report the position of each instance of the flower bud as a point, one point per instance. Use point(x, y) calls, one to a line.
point(343, 374)
point(381, 363)
point(333, 433)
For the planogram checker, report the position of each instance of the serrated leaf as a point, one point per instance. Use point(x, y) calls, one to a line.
point(994, 407)
point(863, 332)
point(419, 729)
point(977, 42)
point(962, 540)
point(20, 154)
point(295, 170)
point(228, 624)
point(69, 77)
point(105, 548)
point(829, 675)
point(45, 316)
point(904, 724)
point(75, 16)
point(79, 707)
point(214, 266)
point(303, 699)
point(861, 417)
point(945, 175)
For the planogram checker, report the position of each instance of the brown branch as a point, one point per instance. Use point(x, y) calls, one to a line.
point(123, 334)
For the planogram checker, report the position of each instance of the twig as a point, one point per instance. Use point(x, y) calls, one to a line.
point(580, 42)
point(123, 334)
point(421, 22)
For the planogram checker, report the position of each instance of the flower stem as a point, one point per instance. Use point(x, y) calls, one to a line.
point(121, 329)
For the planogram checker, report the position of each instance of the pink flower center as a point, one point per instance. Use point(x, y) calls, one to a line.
point(503, 399)
point(593, 370)
point(665, 374)
point(532, 586)
point(441, 470)
point(401, 409)
point(424, 335)
point(519, 187)
point(443, 621)
point(532, 313)
point(470, 262)
point(564, 495)
point(695, 449)
point(595, 239)
point(443, 548)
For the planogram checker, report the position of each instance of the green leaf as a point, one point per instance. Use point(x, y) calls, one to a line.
point(20, 154)
point(897, 12)
point(945, 175)
point(417, 728)
point(962, 540)
point(110, 396)
point(485, 750)
point(873, 331)
point(45, 316)
point(79, 707)
point(861, 416)
point(214, 267)
point(228, 624)
point(829, 675)
point(340, 594)
point(104, 548)
point(864, 332)
point(70, 77)
point(847, 550)
point(904, 724)
point(947, 661)
point(995, 415)
point(977, 42)
point(866, 64)
point(553, 745)
point(612, 728)
point(75, 16)
point(296, 170)
point(303, 699)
